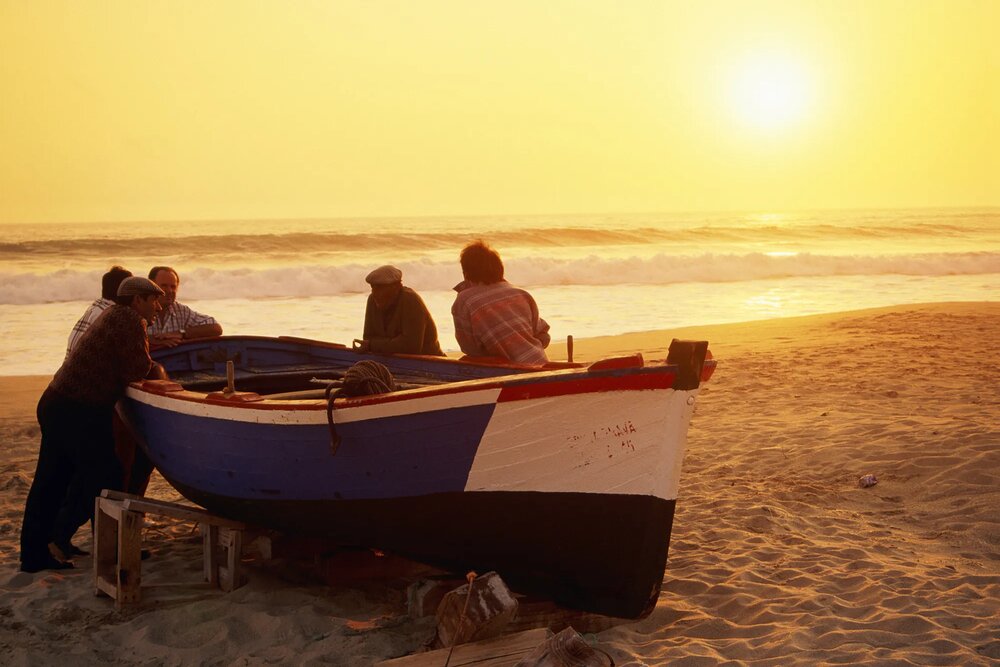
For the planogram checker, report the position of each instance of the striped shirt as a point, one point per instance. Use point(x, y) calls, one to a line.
point(177, 317)
point(499, 320)
point(84, 322)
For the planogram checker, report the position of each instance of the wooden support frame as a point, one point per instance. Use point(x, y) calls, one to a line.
point(118, 519)
point(505, 651)
point(117, 551)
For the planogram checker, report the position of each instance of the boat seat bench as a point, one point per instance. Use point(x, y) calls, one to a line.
point(118, 520)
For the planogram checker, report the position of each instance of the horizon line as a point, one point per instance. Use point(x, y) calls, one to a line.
point(422, 216)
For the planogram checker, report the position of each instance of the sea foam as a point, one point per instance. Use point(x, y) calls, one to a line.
point(310, 280)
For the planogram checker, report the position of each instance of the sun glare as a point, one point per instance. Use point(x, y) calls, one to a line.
point(770, 92)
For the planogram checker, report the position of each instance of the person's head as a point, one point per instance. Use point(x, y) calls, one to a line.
point(168, 281)
point(111, 280)
point(141, 295)
point(386, 282)
point(481, 263)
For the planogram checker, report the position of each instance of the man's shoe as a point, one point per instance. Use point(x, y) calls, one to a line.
point(60, 553)
point(77, 551)
point(66, 551)
point(48, 563)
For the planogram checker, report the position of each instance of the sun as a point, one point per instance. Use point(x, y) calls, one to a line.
point(770, 91)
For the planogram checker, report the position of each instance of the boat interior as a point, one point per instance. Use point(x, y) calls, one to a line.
point(289, 368)
point(292, 369)
point(291, 382)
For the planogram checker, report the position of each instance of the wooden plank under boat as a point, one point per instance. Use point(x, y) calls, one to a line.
point(563, 479)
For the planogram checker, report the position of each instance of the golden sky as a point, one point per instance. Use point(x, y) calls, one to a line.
point(209, 109)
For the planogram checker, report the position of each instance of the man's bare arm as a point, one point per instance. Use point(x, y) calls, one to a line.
point(159, 341)
point(203, 330)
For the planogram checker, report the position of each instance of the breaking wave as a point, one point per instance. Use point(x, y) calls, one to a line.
point(21, 288)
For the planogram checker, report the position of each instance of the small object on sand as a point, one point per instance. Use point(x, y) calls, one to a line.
point(566, 649)
point(867, 481)
point(474, 613)
point(424, 596)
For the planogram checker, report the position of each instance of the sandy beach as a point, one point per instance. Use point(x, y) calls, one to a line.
point(778, 556)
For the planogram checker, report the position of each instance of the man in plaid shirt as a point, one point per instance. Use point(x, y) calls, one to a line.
point(177, 322)
point(109, 289)
point(494, 318)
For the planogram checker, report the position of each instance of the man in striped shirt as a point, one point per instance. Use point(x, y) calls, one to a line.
point(177, 322)
point(494, 318)
point(109, 288)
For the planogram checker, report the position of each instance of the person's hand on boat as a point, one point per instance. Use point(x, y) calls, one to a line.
point(171, 339)
point(157, 372)
point(362, 346)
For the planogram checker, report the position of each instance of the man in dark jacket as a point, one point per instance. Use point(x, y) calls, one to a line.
point(76, 458)
point(396, 319)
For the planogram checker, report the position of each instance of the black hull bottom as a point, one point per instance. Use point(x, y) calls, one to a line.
point(596, 552)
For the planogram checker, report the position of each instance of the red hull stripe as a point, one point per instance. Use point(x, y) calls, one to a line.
point(587, 386)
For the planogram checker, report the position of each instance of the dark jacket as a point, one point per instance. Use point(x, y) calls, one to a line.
point(110, 354)
point(406, 326)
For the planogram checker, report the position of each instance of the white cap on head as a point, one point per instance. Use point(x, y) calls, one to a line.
point(384, 275)
point(138, 286)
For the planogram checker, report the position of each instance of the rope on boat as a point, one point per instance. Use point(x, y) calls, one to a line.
point(364, 378)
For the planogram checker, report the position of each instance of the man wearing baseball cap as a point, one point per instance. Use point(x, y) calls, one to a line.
point(76, 457)
point(396, 319)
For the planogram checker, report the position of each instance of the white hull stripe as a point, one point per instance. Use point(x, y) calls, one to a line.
point(315, 410)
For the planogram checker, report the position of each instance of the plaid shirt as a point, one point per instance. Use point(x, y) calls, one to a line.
point(112, 353)
point(499, 320)
point(177, 317)
point(84, 322)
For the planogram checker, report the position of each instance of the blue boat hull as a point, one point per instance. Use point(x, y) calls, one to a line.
point(276, 461)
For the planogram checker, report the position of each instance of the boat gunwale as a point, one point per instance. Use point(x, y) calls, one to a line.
point(514, 380)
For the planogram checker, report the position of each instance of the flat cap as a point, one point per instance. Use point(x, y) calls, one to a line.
point(138, 286)
point(384, 275)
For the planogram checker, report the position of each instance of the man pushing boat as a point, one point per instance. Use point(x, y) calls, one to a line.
point(76, 457)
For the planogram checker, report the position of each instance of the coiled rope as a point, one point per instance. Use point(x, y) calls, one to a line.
point(364, 378)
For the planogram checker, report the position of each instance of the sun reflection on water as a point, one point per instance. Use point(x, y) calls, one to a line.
point(770, 303)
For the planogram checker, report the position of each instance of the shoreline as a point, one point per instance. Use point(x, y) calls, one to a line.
point(721, 337)
point(777, 555)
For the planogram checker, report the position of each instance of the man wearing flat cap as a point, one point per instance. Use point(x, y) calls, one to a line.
point(396, 319)
point(76, 457)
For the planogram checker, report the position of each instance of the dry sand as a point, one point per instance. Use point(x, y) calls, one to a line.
point(778, 556)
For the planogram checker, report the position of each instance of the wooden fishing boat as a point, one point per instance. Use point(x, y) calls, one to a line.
point(563, 479)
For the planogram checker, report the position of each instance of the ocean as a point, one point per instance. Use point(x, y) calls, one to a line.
point(591, 275)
